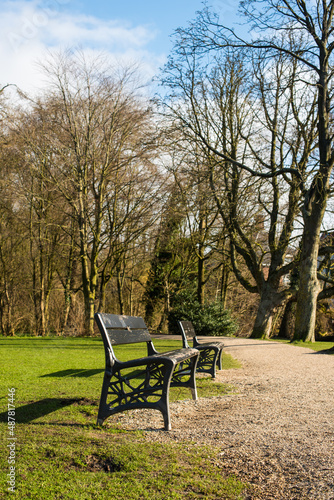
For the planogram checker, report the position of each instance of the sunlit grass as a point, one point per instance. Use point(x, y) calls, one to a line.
point(325, 347)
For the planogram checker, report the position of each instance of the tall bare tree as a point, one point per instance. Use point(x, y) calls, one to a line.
point(98, 129)
point(302, 30)
point(253, 130)
point(41, 212)
point(202, 222)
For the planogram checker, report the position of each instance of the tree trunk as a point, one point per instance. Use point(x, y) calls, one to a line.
point(89, 300)
point(201, 262)
point(131, 296)
point(89, 296)
point(313, 213)
point(288, 320)
point(264, 319)
point(270, 299)
point(120, 282)
point(9, 321)
point(67, 307)
point(224, 285)
point(309, 286)
point(2, 317)
point(163, 325)
point(201, 277)
point(69, 285)
point(102, 301)
point(89, 278)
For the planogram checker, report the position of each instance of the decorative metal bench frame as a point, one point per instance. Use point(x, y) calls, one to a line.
point(145, 387)
point(210, 352)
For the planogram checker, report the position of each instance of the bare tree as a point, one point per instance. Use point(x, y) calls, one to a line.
point(12, 241)
point(202, 222)
point(246, 126)
point(302, 30)
point(41, 212)
point(172, 262)
point(133, 204)
point(98, 129)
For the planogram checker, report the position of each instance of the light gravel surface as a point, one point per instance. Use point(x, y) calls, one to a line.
point(275, 431)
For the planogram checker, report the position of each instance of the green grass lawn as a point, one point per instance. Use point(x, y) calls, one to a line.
point(57, 450)
point(319, 346)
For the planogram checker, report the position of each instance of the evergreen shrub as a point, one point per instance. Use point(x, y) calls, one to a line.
point(208, 319)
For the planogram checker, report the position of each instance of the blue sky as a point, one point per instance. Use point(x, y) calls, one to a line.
point(128, 30)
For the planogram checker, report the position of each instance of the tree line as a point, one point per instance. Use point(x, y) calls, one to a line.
point(213, 193)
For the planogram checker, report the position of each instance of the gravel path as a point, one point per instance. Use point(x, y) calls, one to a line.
point(275, 431)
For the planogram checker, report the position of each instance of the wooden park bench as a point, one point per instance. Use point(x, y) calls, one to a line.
point(210, 352)
point(142, 382)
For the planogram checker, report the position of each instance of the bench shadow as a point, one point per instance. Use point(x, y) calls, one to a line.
point(31, 411)
point(74, 373)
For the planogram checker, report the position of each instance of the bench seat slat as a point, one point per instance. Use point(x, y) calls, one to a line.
point(176, 356)
point(212, 344)
point(179, 354)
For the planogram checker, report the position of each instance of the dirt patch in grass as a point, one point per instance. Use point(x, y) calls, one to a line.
point(96, 463)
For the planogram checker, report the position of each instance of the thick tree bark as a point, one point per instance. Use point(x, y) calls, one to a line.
point(315, 205)
point(287, 325)
point(264, 317)
point(309, 286)
point(201, 276)
point(270, 300)
point(91, 309)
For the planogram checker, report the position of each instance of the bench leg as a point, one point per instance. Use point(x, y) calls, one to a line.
point(103, 407)
point(167, 423)
point(208, 360)
point(158, 377)
point(219, 360)
point(192, 381)
point(163, 375)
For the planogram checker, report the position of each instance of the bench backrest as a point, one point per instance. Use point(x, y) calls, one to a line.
point(117, 329)
point(187, 331)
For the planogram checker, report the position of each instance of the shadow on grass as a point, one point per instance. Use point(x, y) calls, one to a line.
point(51, 342)
point(74, 373)
point(330, 350)
point(29, 412)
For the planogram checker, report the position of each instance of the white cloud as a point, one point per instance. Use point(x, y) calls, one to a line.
point(31, 28)
point(95, 31)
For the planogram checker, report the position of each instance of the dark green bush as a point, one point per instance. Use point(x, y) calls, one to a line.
point(209, 319)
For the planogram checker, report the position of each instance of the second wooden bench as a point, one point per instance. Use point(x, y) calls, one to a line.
point(210, 352)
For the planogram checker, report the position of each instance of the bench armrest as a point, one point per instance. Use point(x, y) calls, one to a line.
point(151, 350)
